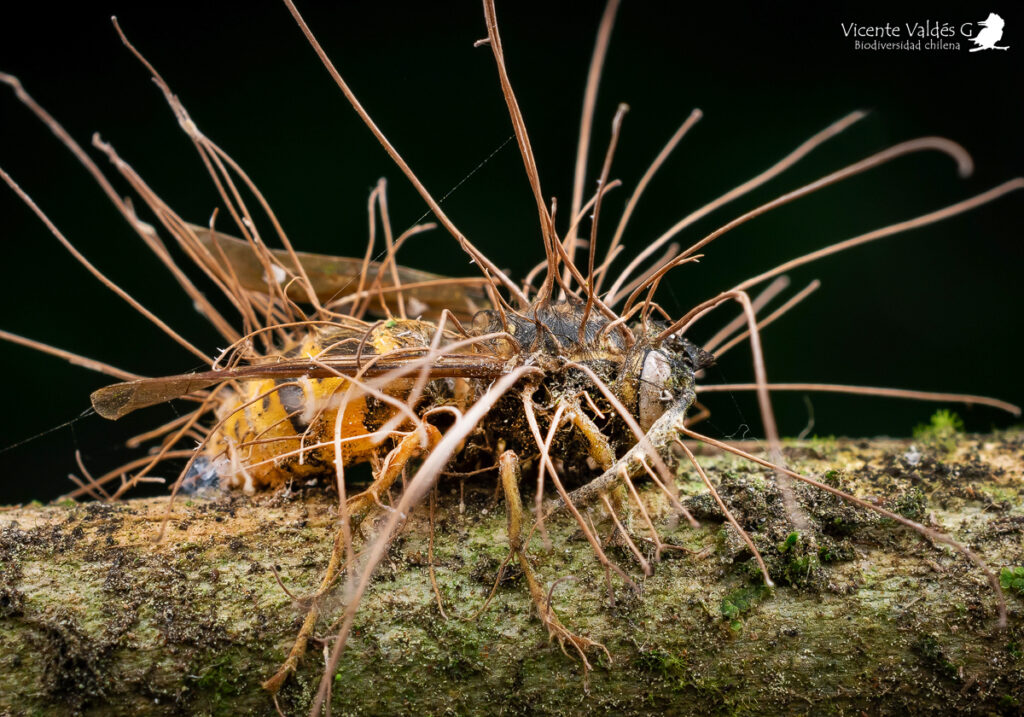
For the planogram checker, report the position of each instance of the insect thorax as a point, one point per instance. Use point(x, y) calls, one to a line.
point(647, 377)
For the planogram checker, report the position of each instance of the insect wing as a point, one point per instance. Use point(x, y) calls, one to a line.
point(335, 277)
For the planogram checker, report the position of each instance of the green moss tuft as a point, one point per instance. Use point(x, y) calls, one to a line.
point(941, 430)
point(789, 542)
point(1012, 579)
point(740, 601)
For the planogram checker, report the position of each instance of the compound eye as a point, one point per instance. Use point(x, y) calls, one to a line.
point(654, 396)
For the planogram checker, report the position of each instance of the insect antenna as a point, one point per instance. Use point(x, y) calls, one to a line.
point(933, 535)
point(481, 260)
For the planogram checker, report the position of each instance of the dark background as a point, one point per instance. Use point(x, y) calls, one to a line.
point(934, 309)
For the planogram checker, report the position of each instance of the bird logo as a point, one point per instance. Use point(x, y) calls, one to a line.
point(990, 34)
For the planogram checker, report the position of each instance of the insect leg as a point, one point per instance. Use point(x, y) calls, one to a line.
point(334, 567)
point(545, 446)
point(508, 465)
point(658, 439)
point(614, 498)
point(600, 450)
point(359, 505)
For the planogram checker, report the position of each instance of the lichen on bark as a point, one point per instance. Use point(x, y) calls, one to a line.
point(96, 617)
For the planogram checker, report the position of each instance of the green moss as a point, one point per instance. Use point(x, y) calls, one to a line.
point(832, 552)
point(941, 430)
point(822, 444)
point(669, 667)
point(789, 542)
point(218, 678)
point(832, 477)
point(942, 423)
point(740, 601)
point(798, 570)
point(1012, 579)
point(199, 622)
point(912, 504)
point(798, 561)
point(927, 646)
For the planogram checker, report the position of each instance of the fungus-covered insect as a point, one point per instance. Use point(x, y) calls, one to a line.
point(579, 366)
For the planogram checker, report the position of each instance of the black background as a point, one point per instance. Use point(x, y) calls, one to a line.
point(934, 309)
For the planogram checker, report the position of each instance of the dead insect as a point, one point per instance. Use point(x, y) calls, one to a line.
point(465, 375)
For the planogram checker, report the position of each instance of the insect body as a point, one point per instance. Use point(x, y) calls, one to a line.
point(266, 424)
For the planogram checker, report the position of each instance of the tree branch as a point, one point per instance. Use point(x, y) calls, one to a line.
point(94, 616)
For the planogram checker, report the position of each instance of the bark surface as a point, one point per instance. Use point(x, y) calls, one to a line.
point(97, 618)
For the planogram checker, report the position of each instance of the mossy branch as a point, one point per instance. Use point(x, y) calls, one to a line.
point(95, 617)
